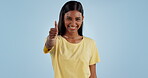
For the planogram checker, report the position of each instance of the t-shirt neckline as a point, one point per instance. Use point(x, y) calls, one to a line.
point(73, 43)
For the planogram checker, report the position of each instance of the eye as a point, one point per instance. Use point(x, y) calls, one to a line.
point(77, 19)
point(69, 18)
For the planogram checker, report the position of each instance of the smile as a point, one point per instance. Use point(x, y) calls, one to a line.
point(72, 27)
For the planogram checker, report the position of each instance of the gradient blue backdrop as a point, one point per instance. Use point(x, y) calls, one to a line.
point(120, 28)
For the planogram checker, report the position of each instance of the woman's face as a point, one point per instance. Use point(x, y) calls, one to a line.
point(73, 21)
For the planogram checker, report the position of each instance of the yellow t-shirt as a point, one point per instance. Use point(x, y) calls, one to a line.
point(71, 60)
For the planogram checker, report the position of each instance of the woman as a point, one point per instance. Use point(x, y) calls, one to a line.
point(73, 55)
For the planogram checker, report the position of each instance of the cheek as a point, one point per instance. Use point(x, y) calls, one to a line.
point(66, 23)
point(79, 23)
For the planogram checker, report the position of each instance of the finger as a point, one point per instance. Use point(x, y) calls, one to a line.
point(56, 26)
point(51, 32)
point(52, 35)
point(52, 29)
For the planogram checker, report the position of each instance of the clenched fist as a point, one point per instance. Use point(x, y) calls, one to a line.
point(53, 32)
point(51, 39)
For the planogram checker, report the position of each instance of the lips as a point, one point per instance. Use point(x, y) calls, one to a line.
point(73, 28)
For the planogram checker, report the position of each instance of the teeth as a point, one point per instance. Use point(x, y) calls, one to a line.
point(72, 27)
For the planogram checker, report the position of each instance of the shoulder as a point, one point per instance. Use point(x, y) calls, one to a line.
point(88, 39)
point(58, 36)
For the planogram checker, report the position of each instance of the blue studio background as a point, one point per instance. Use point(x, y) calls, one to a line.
point(119, 28)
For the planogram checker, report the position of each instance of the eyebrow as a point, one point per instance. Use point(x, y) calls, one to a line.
point(70, 17)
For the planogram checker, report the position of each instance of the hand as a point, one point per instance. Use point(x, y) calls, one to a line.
point(53, 32)
point(51, 39)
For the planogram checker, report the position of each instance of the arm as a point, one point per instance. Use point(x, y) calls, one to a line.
point(93, 71)
point(51, 39)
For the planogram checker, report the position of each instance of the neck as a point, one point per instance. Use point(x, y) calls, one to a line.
point(72, 35)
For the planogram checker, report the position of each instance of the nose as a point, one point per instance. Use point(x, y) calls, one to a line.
point(73, 23)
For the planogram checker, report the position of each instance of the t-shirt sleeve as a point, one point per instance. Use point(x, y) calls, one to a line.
point(46, 50)
point(94, 54)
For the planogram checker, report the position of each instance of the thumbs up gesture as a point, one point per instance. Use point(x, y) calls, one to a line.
point(53, 32)
point(51, 39)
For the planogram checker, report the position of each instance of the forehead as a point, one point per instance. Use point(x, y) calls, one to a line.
point(73, 13)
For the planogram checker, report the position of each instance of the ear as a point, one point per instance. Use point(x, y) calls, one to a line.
point(82, 18)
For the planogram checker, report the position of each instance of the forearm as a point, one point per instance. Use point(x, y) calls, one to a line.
point(50, 43)
point(93, 76)
point(93, 71)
